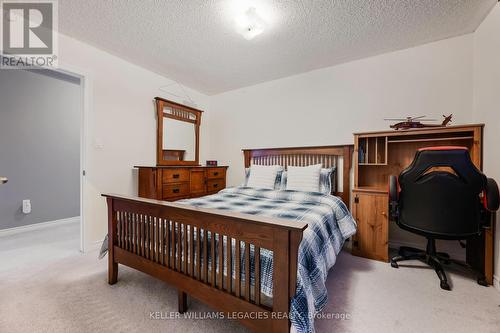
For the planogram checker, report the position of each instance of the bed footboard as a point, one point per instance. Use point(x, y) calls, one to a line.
point(189, 248)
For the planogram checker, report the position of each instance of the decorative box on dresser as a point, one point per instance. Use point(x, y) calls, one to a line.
point(377, 155)
point(172, 183)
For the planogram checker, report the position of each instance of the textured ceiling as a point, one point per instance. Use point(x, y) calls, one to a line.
point(196, 43)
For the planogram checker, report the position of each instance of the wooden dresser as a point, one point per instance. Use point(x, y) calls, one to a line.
point(172, 183)
point(377, 155)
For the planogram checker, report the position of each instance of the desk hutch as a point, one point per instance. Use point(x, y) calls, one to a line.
point(377, 155)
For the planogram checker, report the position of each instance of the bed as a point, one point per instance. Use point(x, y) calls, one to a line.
point(270, 236)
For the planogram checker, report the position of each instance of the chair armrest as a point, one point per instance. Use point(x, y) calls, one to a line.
point(393, 197)
point(491, 196)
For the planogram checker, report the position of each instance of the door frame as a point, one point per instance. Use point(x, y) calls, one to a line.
point(85, 84)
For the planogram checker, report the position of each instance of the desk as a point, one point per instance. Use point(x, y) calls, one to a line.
point(377, 155)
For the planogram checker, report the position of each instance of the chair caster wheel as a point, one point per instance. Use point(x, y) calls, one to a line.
point(445, 285)
point(482, 281)
point(394, 264)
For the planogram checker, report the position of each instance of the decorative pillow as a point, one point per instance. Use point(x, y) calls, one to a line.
point(264, 176)
point(284, 176)
point(303, 178)
point(326, 180)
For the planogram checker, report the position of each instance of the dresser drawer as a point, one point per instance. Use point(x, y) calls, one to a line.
point(213, 173)
point(175, 175)
point(175, 190)
point(215, 185)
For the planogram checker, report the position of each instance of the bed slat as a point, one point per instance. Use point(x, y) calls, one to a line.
point(237, 269)
point(257, 275)
point(166, 235)
point(137, 234)
point(198, 252)
point(172, 246)
point(119, 229)
point(229, 264)
point(151, 238)
point(220, 258)
point(179, 246)
point(247, 271)
point(191, 251)
point(158, 240)
point(205, 256)
point(185, 249)
point(125, 231)
point(213, 257)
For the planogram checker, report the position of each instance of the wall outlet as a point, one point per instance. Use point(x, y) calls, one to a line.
point(26, 206)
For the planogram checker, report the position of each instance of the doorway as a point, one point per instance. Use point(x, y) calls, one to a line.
point(41, 158)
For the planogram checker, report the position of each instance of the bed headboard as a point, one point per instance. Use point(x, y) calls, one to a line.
point(329, 156)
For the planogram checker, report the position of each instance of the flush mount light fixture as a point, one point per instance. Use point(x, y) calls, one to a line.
point(250, 24)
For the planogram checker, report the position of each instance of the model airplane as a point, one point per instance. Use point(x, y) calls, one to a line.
point(410, 122)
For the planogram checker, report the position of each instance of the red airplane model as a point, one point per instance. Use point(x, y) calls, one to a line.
point(410, 123)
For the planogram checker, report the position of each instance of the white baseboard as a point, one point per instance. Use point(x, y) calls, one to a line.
point(38, 226)
point(496, 282)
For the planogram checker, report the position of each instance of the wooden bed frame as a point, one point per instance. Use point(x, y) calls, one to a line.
point(135, 226)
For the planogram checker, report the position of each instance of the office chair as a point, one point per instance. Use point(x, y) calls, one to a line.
point(441, 195)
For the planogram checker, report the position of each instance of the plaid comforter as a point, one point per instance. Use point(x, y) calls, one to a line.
point(329, 225)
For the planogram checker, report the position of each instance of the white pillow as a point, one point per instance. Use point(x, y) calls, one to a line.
point(326, 178)
point(263, 176)
point(303, 178)
point(277, 183)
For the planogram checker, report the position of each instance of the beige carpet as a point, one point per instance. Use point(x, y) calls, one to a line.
point(68, 293)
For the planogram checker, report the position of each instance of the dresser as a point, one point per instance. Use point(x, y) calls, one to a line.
point(377, 155)
point(172, 183)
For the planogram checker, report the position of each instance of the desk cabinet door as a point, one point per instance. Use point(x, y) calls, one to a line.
point(370, 212)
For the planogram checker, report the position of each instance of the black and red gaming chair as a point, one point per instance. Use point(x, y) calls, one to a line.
point(441, 195)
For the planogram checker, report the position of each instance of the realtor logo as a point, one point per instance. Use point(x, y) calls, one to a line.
point(28, 33)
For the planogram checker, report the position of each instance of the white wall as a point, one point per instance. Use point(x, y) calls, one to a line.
point(121, 120)
point(326, 106)
point(487, 100)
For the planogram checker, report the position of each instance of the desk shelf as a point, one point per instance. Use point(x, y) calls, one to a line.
point(372, 151)
point(382, 154)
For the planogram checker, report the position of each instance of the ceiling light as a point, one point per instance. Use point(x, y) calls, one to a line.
point(250, 24)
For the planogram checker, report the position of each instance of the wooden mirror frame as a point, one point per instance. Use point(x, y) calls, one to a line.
point(160, 105)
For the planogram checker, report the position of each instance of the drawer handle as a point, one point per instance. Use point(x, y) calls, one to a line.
point(216, 173)
point(175, 190)
point(216, 185)
point(176, 176)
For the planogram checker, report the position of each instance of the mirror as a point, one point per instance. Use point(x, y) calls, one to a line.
point(178, 132)
point(178, 140)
